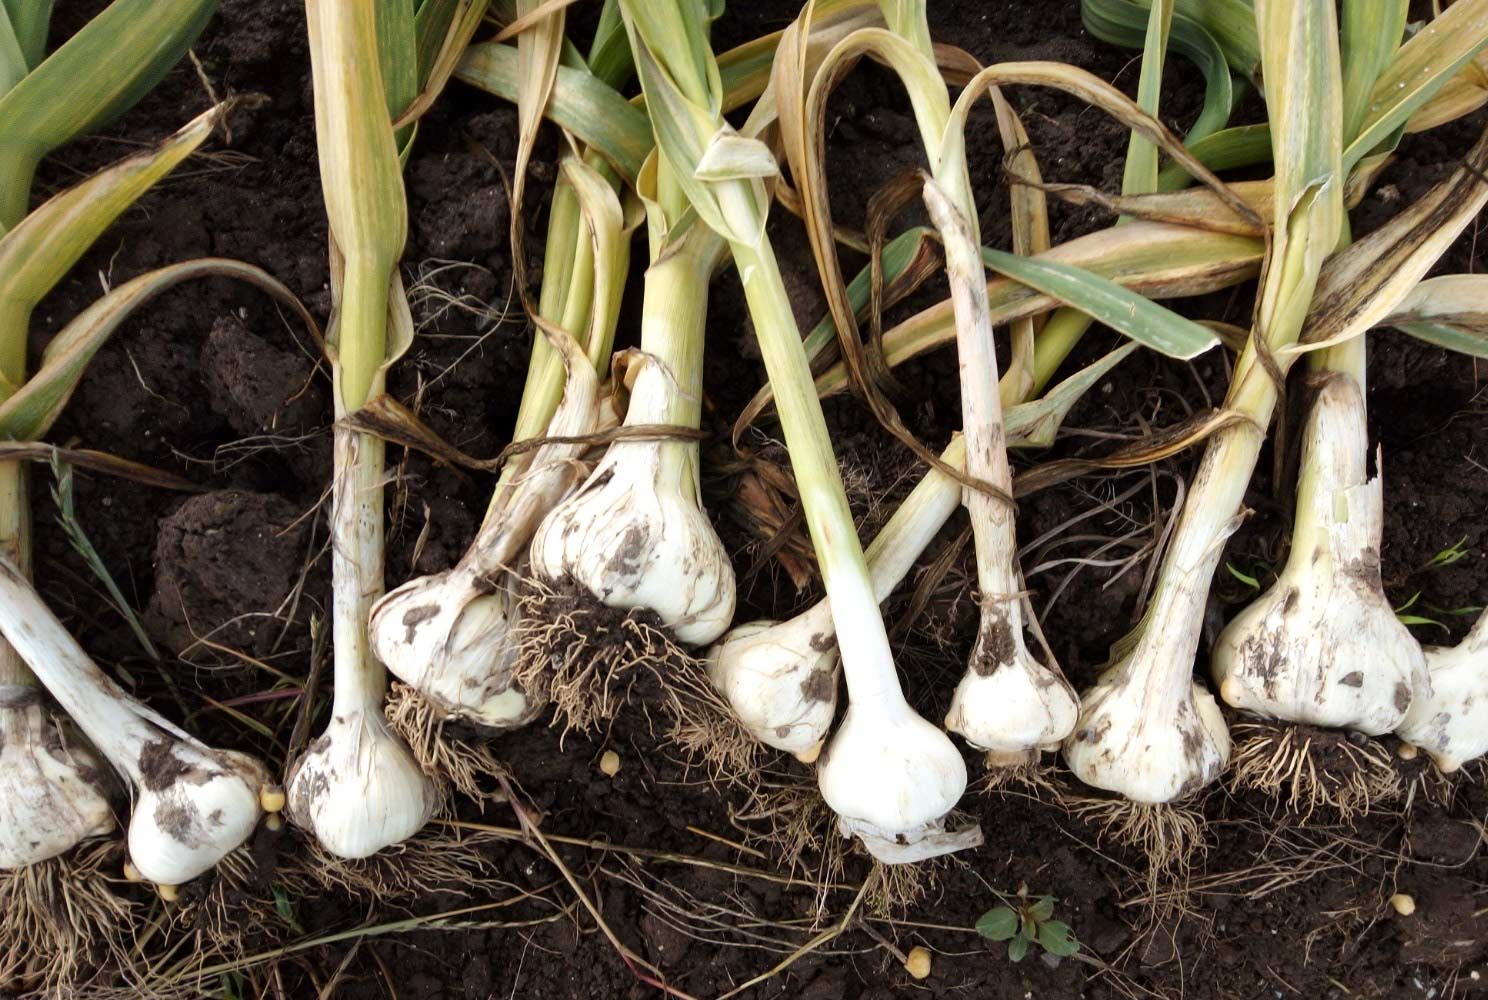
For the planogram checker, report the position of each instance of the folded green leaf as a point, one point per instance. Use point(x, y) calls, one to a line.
point(1370, 34)
point(580, 102)
point(29, 21)
point(1124, 22)
point(27, 415)
point(47, 243)
point(1420, 68)
point(100, 72)
point(1450, 311)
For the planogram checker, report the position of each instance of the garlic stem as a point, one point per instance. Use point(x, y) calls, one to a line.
point(357, 788)
point(192, 804)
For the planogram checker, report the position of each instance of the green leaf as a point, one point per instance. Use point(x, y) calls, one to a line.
point(1035, 423)
point(1370, 33)
point(13, 65)
point(1056, 938)
point(1420, 68)
point(397, 52)
point(1042, 909)
point(1244, 578)
point(27, 415)
point(998, 924)
point(47, 243)
point(1237, 146)
point(1017, 948)
point(609, 53)
point(29, 21)
point(1106, 302)
point(100, 72)
point(580, 102)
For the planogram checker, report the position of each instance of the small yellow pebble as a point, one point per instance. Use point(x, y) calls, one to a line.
point(609, 763)
point(132, 873)
point(169, 893)
point(1403, 904)
point(1407, 751)
point(271, 797)
point(917, 962)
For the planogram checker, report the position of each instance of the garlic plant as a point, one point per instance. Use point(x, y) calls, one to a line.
point(450, 635)
point(635, 535)
point(357, 788)
point(781, 678)
point(890, 776)
point(54, 792)
point(1007, 703)
point(1146, 729)
point(192, 804)
point(1451, 722)
point(1323, 646)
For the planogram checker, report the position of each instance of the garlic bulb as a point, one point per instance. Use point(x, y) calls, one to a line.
point(1451, 722)
point(192, 804)
point(54, 792)
point(358, 788)
point(780, 678)
point(1007, 702)
point(1322, 646)
point(635, 536)
point(1150, 746)
point(448, 636)
point(891, 777)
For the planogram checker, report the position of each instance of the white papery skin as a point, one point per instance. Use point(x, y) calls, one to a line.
point(192, 804)
point(780, 678)
point(1008, 703)
point(635, 536)
point(449, 637)
point(1322, 646)
point(1451, 722)
point(358, 788)
point(891, 777)
point(54, 793)
point(1151, 747)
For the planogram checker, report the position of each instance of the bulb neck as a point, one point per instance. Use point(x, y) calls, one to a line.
point(356, 569)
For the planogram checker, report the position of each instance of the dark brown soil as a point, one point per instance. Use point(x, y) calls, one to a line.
point(214, 384)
